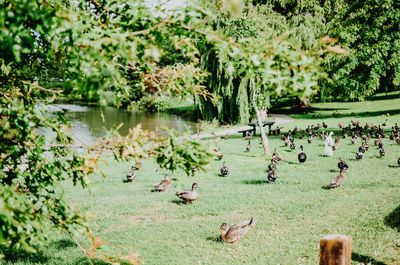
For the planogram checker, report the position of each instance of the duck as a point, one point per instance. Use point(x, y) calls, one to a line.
point(310, 139)
point(224, 170)
point(359, 155)
point(226, 137)
point(328, 150)
point(362, 149)
point(335, 146)
point(272, 175)
point(292, 145)
point(338, 180)
point(232, 233)
point(329, 139)
point(302, 157)
point(220, 155)
point(342, 165)
point(353, 139)
point(248, 136)
point(130, 177)
point(216, 149)
point(275, 156)
point(194, 169)
point(189, 195)
point(138, 165)
point(398, 161)
point(164, 184)
point(248, 147)
point(272, 166)
point(385, 123)
point(382, 152)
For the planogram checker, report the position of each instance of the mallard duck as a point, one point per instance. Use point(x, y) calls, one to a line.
point(380, 144)
point(398, 140)
point(130, 177)
point(272, 166)
point(224, 169)
point(248, 136)
point(337, 139)
point(344, 133)
point(342, 165)
point(275, 156)
point(353, 139)
point(138, 165)
point(310, 139)
point(338, 180)
point(302, 157)
point(232, 233)
point(189, 195)
point(362, 149)
point(164, 184)
point(248, 147)
point(292, 145)
point(382, 152)
point(194, 169)
point(220, 155)
point(272, 175)
point(324, 125)
point(359, 155)
point(328, 150)
point(335, 147)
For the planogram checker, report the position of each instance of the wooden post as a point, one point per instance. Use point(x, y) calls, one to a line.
point(335, 250)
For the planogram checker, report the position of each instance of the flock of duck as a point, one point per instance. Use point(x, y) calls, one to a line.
point(232, 233)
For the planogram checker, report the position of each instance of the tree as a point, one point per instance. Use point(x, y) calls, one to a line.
point(80, 50)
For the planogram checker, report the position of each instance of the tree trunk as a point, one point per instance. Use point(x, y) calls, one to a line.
point(260, 123)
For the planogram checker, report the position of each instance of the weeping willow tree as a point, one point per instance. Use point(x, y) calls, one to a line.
point(260, 25)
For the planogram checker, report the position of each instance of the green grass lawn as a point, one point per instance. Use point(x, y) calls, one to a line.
point(293, 213)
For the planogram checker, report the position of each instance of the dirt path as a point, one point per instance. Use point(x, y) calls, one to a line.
point(279, 119)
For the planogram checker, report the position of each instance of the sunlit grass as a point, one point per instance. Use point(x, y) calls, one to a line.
point(293, 213)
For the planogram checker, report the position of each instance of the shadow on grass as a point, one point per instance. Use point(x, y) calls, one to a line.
point(326, 187)
point(393, 219)
point(391, 166)
point(333, 170)
point(24, 257)
point(365, 259)
point(179, 202)
point(214, 238)
point(255, 181)
point(12, 256)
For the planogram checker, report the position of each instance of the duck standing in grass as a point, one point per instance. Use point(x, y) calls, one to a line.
point(272, 175)
point(189, 195)
point(130, 177)
point(338, 180)
point(232, 233)
point(302, 157)
point(248, 147)
point(328, 150)
point(342, 165)
point(382, 152)
point(359, 155)
point(224, 170)
point(329, 141)
point(138, 165)
point(164, 184)
point(275, 156)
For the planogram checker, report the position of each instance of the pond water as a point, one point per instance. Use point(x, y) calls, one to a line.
point(88, 124)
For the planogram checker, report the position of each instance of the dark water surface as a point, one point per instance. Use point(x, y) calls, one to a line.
point(88, 125)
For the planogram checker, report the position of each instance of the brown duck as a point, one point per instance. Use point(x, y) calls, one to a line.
point(130, 177)
point(338, 180)
point(189, 195)
point(164, 184)
point(232, 233)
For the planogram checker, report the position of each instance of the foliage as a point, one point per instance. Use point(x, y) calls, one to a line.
point(87, 50)
point(278, 64)
point(370, 31)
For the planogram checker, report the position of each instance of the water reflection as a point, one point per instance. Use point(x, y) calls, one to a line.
point(88, 124)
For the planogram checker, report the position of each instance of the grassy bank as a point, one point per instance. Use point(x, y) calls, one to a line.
point(293, 213)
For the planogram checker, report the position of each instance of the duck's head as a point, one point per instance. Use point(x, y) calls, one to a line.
point(224, 226)
point(195, 186)
point(167, 177)
point(331, 133)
